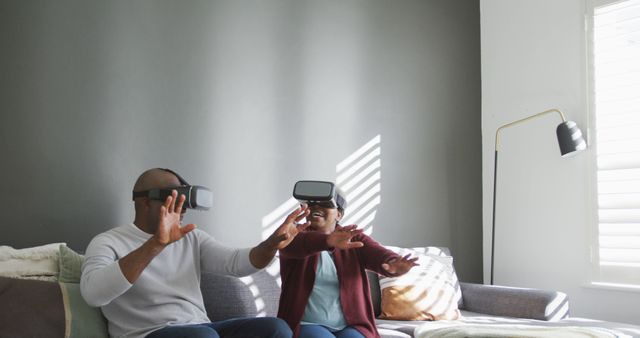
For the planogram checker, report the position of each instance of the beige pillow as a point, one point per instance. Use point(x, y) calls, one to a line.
point(426, 292)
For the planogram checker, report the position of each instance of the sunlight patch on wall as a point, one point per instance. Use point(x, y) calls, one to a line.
point(359, 177)
point(274, 219)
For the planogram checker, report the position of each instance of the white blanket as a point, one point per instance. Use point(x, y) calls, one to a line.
point(40, 262)
point(459, 330)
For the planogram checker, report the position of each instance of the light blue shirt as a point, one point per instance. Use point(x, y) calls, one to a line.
point(323, 307)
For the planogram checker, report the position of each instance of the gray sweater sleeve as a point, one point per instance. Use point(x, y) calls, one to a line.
point(102, 280)
point(220, 259)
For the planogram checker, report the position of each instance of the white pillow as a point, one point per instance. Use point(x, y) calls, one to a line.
point(37, 262)
point(429, 291)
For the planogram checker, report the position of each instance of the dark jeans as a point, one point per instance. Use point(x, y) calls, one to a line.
point(319, 331)
point(261, 327)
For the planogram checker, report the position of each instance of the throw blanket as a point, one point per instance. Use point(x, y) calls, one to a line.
point(454, 330)
point(40, 262)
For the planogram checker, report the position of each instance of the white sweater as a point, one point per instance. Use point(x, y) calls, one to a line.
point(168, 290)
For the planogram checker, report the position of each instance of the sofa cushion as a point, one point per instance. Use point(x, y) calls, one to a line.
point(427, 292)
point(31, 308)
point(515, 302)
point(228, 297)
point(82, 320)
point(70, 265)
point(374, 283)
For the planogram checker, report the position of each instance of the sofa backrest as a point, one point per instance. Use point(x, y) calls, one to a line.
point(228, 297)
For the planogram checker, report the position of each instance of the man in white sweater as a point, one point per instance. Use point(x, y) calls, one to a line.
point(145, 276)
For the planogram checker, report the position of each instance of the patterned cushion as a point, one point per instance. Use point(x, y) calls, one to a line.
point(429, 291)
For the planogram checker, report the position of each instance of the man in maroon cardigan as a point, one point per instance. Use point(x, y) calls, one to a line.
point(306, 283)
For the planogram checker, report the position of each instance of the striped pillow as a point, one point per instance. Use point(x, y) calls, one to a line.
point(429, 291)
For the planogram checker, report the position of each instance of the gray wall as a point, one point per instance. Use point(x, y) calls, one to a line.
point(545, 211)
point(246, 97)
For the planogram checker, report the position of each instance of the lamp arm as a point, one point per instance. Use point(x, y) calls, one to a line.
point(495, 176)
point(553, 110)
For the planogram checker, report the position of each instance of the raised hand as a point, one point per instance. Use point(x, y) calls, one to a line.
point(286, 232)
point(169, 229)
point(400, 266)
point(341, 237)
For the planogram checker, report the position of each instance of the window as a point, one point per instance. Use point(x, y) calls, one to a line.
point(616, 120)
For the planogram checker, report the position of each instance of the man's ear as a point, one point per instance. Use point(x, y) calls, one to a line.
point(340, 214)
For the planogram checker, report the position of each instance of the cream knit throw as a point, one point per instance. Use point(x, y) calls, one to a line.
point(40, 262)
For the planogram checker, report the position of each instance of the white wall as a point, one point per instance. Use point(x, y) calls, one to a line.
point(534, 58)
point(246, 97)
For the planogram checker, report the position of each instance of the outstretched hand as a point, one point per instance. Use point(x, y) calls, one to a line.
point(341, 237)
point(169, 229)
point(290, 228)
point(400, 266)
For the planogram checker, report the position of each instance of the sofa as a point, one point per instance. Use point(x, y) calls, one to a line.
point(54, 308)
point(480, 305)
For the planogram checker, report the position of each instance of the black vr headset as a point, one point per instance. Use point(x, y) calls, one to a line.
point(321, 193)
point(196, 196)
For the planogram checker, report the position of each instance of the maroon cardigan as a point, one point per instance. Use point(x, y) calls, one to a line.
point(298, 263)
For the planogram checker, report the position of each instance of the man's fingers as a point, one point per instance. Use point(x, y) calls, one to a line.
point(163, 210)
point(169, 201)
point(181, 200)
point(187, 228)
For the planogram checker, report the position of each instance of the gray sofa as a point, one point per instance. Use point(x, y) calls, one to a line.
point(257, 295)
point(34, 308)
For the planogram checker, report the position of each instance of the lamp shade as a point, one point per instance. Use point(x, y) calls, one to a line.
point(570, 138)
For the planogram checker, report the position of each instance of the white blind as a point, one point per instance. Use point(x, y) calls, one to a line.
point(616, 51)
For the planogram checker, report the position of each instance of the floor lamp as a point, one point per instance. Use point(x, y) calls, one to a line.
point(570, 140)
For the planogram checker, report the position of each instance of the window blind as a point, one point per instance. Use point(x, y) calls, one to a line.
point(616, 61)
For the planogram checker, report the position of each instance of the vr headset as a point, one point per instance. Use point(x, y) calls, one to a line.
point(196, 196)
point(321, 193)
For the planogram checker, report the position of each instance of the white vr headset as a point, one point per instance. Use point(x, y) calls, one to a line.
point(321, 193)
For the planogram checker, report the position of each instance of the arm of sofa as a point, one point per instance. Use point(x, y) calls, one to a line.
point(515, 302)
